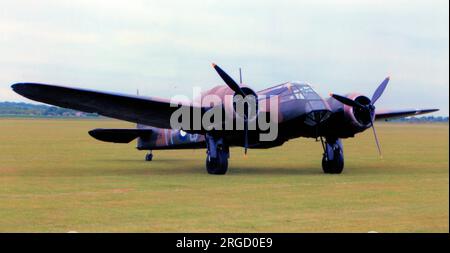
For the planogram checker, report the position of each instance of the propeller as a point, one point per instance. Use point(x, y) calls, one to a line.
point(369, 108)
point(376, 138)
point(347, 101)
point(237, 89)
point(229, 81)
point(379, 91)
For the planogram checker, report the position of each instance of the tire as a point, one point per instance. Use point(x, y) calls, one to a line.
point(335, 166)
point(148, 157)
point(218, 165)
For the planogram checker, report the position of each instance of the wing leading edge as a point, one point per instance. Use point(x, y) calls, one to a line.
point(390, 114)
point(148, 111)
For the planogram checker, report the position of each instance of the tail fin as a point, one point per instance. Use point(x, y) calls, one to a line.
point(138, 126)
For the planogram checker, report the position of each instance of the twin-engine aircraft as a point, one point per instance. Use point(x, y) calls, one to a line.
point(300, 111)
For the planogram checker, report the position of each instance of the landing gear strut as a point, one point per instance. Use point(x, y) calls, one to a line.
point(333, 156)
point(217, 155)
point(149, 156)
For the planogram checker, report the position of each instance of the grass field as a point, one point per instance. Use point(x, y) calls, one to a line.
point(55, 178)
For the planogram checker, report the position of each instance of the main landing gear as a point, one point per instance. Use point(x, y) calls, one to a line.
point(217, 155)
point(149, 156)
point(333, 156)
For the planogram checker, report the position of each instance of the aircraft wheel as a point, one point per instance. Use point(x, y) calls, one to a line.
point(149, 157)
point(334, 166)
point(218, 165)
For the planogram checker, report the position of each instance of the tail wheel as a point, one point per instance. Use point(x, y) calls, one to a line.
point(149, 157)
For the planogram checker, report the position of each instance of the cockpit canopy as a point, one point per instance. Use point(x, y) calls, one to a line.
point(300, 99)
point(296, 91)
point(292, 90)
point(304, 91)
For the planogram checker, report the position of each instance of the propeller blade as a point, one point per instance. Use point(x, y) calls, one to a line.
point(379, 91)
point(228, 80)
point(236, 88)
point(245, 137)
point(347, 101)
point(376, 139)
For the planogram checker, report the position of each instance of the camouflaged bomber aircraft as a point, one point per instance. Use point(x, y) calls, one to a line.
point(301, 113)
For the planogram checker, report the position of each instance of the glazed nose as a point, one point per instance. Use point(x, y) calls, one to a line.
point(316, 117)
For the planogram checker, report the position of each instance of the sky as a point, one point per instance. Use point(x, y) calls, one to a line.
point(164, 48)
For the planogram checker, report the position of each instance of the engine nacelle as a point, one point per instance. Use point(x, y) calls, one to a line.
point(244, 107)
point(235, 106)
point(360, 119)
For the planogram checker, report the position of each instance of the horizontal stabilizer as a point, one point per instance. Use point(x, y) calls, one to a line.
point(119, 135)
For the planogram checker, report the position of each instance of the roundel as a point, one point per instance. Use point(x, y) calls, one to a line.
point(182, 134)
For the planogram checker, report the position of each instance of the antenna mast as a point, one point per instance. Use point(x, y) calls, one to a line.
point(240, 76)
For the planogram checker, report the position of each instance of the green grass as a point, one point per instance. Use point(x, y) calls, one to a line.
point(54, 177)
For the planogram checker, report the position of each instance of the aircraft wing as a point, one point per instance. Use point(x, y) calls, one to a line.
point(143, 110)
point(389, 114)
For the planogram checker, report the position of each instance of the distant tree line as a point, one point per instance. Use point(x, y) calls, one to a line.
point(34, 110)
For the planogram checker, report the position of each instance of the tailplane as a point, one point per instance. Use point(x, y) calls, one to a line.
point(119, 135)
